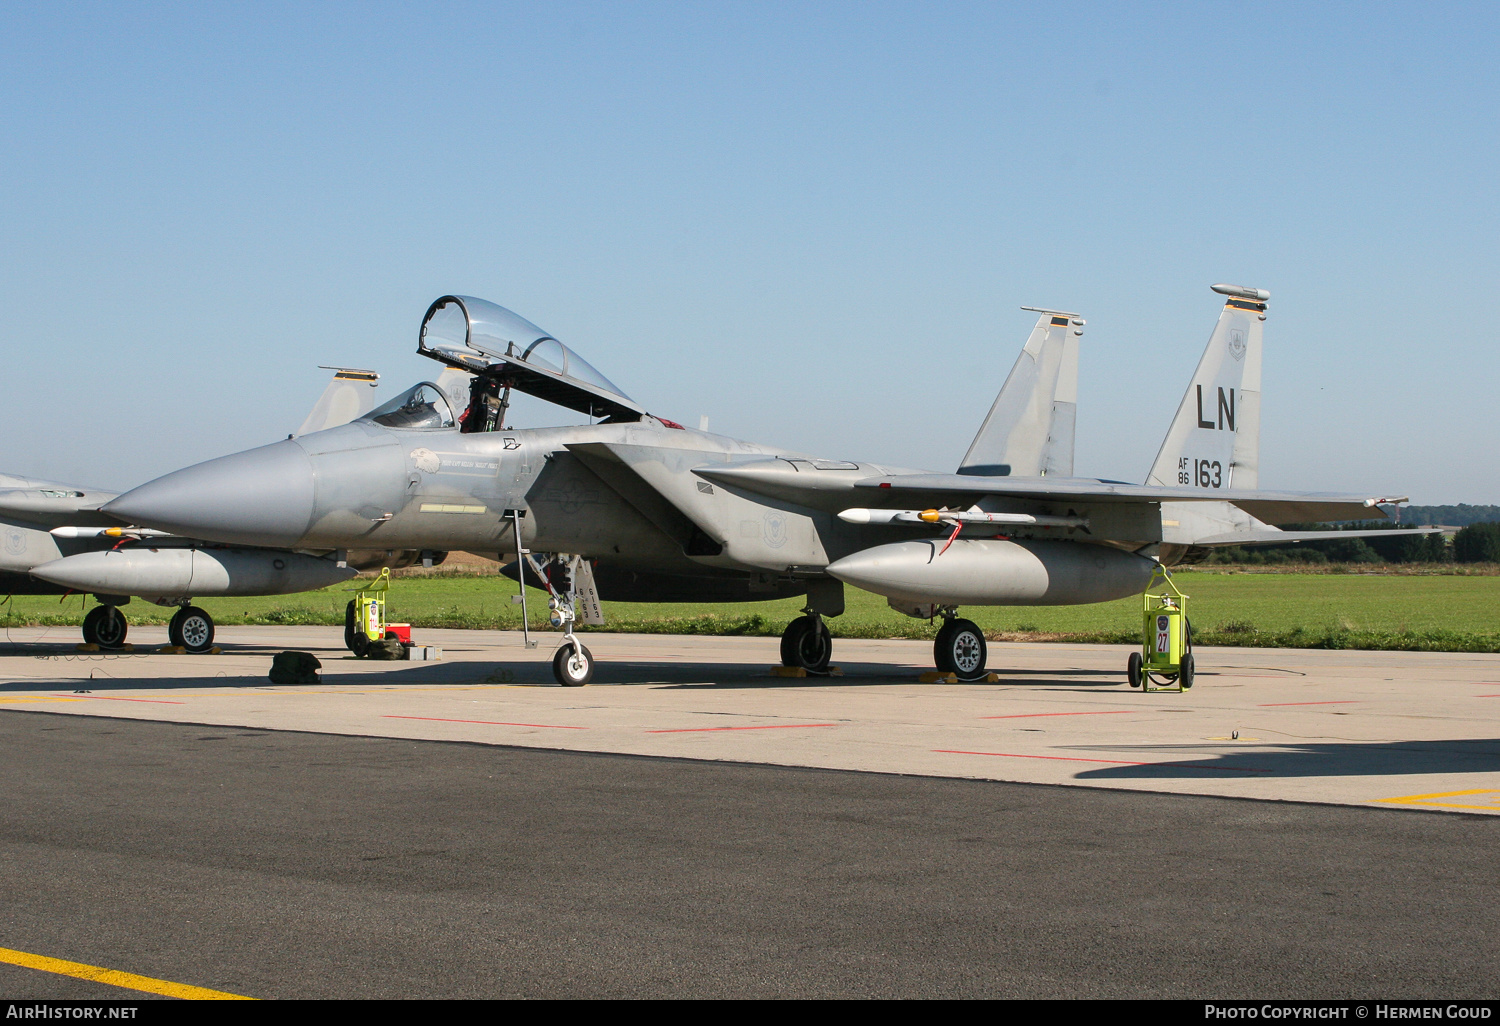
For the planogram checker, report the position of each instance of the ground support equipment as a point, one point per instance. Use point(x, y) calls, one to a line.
point(1165, 661)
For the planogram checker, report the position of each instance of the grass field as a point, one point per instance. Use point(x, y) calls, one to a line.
point(1444, 612)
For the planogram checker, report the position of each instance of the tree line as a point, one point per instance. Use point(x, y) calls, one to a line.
point(1474, 543)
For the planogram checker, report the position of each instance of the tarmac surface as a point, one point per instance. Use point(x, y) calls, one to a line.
point(691, 825)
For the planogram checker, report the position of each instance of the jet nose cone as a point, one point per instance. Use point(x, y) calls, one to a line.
point(259, 497)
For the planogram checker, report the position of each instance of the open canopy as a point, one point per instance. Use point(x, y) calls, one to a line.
point(480, 337)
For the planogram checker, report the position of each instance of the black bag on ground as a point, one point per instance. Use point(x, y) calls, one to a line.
point(295, 668)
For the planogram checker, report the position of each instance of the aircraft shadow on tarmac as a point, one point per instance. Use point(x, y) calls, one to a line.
point(1299, 759)
point(122, 671)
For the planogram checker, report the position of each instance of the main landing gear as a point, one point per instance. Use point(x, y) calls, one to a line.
point(191, 628)
point(807, 643)
point(105, 626)
point(960, 649)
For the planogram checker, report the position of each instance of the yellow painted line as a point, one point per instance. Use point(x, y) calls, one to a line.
point(115, 978)
point(1427, 799)
point(16, 701)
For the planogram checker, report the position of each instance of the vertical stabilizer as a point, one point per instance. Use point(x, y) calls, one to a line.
point(350, 395)
point(1214, 441)
point(1029, 430)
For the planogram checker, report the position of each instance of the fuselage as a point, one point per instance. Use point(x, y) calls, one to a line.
point(663, 504)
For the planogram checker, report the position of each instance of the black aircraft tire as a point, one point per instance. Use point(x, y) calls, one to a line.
point(942, 651)
point(963, 650)
point(191, 628)
point(105, 626)
point(807, 646)
point(807, 643)
point(791, 638)
point(571, 672)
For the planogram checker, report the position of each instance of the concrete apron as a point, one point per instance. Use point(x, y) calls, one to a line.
point(1394, 730)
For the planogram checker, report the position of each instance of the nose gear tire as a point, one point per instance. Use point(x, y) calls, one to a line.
point(573, 666)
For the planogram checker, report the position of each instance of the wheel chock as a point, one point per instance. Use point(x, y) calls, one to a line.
point(799, 671)
point(939, 677)
point(215, 650)
point(171, 650)
point(90, 647)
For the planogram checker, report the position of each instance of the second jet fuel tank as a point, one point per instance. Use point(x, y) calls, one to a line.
point(996, 572)
point(179, 573)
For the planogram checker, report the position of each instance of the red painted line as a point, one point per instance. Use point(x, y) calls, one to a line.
point(106, 698)
point(1027, 716)
point(1272, 705)
point(1487, 696)
point(1112, 762)
point(489, 723)
point(770, 726)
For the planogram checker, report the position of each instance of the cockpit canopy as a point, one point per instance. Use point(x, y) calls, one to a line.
point(421, 406)
point(483, 338)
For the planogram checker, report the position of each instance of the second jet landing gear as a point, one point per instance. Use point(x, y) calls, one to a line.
point(960, 649)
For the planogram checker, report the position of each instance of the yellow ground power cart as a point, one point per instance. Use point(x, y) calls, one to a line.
point(364, 619)
point(1165, 661)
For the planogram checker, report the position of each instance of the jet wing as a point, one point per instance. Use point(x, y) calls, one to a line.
point(1269, 507)
point(1282, 537)
point(819, 485)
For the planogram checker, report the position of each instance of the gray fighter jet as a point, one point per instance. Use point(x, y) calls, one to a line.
point(635, 507)
point(55, 540)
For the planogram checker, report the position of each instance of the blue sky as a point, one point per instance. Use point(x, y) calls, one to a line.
point(813, 223)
